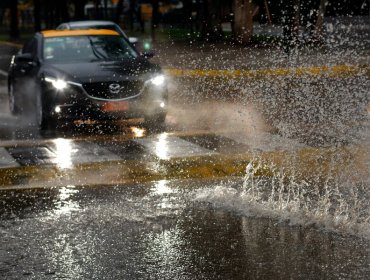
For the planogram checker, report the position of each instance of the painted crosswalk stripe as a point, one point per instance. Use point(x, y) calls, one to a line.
point(6, 160)
point(69, 153)
point(165, 146)
point(27, 156)
point(218, 143)
point(265, 141)
point(66, 153)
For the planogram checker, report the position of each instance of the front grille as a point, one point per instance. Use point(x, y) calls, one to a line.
point(113, 90)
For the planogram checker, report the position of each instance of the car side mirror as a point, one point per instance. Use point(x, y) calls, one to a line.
point(26, 58)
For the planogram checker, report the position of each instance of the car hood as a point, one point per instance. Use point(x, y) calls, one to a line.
point(102, 71)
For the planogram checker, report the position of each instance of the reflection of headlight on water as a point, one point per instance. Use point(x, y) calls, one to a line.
point(161, 146)
point(57, 83)
point(158, 80)
point(64, 152)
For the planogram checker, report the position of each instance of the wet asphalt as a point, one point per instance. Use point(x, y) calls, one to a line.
point(161, 230)
point(76, 209)
point(101, 201)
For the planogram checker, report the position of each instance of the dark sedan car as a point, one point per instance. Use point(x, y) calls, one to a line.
point(85, 74)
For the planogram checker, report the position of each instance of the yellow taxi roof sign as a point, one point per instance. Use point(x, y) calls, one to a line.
point(79, 32)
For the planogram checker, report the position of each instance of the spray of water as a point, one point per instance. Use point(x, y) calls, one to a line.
point(323, 181)
point(338, 202)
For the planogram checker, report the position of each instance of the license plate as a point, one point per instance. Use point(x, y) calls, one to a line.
point(115, 106)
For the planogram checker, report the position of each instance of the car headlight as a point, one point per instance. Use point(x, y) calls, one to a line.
point(58, 84)
point(158, 80)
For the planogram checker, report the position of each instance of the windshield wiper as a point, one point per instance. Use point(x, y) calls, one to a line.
point(96, 52)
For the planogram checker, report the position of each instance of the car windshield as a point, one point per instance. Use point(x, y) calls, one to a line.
point(87, 48)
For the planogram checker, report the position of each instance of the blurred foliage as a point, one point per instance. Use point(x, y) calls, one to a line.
point(202, 19)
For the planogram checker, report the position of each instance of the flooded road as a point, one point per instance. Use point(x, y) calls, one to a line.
point(162, 230)
point(255, 175)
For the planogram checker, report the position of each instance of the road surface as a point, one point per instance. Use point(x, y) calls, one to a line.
point(244, 182)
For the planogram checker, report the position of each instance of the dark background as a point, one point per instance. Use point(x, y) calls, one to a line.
point(200, 18)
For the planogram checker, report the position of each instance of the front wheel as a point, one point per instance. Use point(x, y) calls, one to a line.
point(44, 119)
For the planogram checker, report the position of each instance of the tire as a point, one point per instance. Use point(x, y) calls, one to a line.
point(14, 109)
point(43, 117)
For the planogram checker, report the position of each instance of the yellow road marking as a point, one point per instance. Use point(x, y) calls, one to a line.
point(121, 172)
point(306, 164)
point(341, 69)
point(298, 71)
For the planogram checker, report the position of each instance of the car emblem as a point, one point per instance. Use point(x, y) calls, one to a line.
point(114, 88)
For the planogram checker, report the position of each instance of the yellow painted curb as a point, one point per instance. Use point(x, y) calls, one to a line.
point(299, 71)
point(306, 164)
point(124, 172)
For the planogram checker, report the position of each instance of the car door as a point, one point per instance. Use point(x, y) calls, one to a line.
point(25, 69)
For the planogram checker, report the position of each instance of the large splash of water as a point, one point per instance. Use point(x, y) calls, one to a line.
point(323, 181)
point(330, 199)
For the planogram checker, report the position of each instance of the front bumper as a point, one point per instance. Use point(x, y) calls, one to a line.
point(75, 103)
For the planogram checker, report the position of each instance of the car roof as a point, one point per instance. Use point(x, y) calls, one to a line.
point(78, 32)
point(89, 22)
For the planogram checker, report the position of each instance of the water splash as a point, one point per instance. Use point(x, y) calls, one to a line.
point(334, 203)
